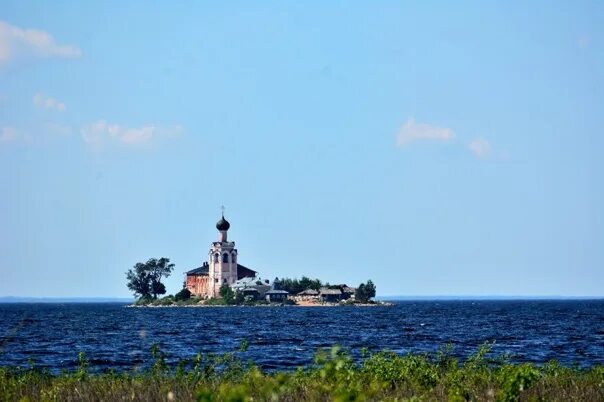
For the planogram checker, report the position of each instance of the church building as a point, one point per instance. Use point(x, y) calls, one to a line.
point(221, 268)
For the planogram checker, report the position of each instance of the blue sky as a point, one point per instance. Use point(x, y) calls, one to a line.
point(436, 148)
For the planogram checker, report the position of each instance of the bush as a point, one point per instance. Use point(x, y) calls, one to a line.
point(166, 301)
point(215, 302)
point(184, 294)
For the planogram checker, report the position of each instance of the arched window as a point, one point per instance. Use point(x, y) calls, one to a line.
point(234, 258)
point(225, 257)
point(216, 257)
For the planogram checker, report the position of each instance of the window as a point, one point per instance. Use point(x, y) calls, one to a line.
point(233, 258)
point(216, 257)
point(225, 257)
point(216, 280)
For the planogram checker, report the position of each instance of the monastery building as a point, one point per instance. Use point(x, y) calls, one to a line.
point(221, 268)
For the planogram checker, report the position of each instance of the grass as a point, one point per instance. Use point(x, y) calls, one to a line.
point(334, 375)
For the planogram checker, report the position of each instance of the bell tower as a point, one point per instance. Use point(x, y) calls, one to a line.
point(222, 260)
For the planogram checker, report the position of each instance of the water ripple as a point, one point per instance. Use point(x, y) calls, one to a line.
point(114, 337)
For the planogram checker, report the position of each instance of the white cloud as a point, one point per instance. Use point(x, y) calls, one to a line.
point(7, 134)
point(480, 147)
point(18, 43)
point(46, 102)
point(100, 132)
point(412, 131)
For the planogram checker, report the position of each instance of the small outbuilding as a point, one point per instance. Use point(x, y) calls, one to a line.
point(251, 287)
point(276, 295)
point(308, 293)
point(348, 292)
point(330, 295)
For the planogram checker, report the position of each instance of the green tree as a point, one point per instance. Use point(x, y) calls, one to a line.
point(295, 286)
point(360, 294)
point(307, 283)
point(157, 288)
point(139, 281)
point(365, 292)
point(370, 289)
point(227, 294)
point(144, 279)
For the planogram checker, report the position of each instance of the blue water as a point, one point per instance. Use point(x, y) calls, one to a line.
point(113, 336)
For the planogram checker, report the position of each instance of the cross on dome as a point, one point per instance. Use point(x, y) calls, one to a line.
point(223, 224)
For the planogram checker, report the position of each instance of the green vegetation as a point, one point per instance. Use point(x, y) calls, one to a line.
point(232, 299)
point(334, 375)
point(166, 301)
point(217, 301)
point(184, 294)
point(229, 296)
point(144, 279)
point(365, 292)
point(295, 286)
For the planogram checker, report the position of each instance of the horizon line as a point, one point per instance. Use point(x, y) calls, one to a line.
point(380, 297)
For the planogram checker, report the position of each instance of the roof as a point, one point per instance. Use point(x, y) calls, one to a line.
point(203, 270)
point(242, 271)
point(248, 283)
point(245, 272)
point(244, 282)
point(308, 292)
point(348, 289)
point(277, 292)
point(326, 291)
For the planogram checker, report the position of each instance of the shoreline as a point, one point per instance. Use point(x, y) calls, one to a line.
point(202, 305)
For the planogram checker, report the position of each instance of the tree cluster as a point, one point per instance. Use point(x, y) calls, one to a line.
point(230, 296)
point(144, 279)
point(365, 292)
point(295, 286)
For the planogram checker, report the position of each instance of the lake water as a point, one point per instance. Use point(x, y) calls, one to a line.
point(113, 336)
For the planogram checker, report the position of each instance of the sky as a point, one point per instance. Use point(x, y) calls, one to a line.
point(437, 148)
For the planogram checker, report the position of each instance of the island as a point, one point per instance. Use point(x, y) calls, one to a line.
point(222, 280)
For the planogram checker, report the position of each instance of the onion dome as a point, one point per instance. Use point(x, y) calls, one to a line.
point(223, 224)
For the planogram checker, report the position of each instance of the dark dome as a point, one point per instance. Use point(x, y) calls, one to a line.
point(223, 224)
